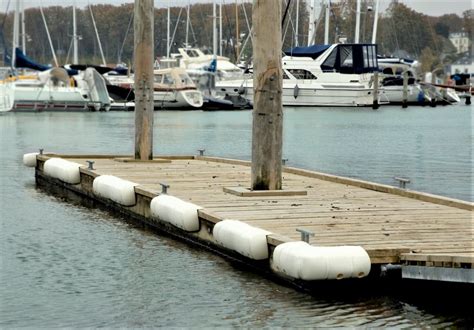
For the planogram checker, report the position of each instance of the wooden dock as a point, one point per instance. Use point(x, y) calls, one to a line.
point(430, 237)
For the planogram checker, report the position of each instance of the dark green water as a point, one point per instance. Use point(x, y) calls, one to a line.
point(65, 265)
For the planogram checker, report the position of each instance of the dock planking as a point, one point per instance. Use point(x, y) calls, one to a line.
point(390, 223)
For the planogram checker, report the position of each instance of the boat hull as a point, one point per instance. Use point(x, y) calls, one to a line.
point(178, 99)
point(302, 95)
point(41, 98)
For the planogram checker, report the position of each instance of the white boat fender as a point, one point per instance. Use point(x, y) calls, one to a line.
point(29, 159)
point(303, 261)
point(245, 239)
point(116, 189)
point(179, 213)
point(63, 170)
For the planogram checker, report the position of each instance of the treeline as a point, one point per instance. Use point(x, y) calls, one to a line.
point(401, 31)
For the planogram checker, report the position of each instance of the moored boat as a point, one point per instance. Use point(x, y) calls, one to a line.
point(174, 89)
point(321, 75)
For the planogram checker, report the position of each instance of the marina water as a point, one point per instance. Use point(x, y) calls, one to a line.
point(66, 265)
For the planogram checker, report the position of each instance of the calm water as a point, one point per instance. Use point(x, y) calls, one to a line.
point(65, 265)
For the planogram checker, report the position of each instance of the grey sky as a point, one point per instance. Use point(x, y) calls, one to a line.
point(428, 7)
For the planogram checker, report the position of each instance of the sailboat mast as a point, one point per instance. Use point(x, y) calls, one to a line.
point(75, 56)
point(297, 22)
point(326, 22)
point(97, 35)
point(16, 32)
point(237, 50)
point(168, 31)
point(220, 28)
point(49, 37)
point(214, 27)
point(376, 18)
point(187, 25)
point(357, 28)
point(23, 30)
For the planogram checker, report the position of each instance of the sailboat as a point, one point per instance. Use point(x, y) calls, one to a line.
point(206, 69)
point(53, 88)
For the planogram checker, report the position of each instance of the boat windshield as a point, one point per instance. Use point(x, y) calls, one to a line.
point(352, 59)
point(301, 74)
point(192, 53)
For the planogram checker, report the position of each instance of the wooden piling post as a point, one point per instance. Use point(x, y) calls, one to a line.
point(267, 128)
point(375, 102)
point(405, 89)
point(144, 55)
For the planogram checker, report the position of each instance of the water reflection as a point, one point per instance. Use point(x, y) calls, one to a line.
point(65, 265)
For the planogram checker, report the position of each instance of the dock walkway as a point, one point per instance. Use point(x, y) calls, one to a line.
point(393, 225)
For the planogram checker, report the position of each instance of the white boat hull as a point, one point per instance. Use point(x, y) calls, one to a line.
point(300, 94)
point(178, 99)
point(46, 98)
point(394, 94)
point(6, 97)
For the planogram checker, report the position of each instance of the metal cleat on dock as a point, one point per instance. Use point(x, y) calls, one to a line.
point(305, 234)
point(401, 181)
point(164, 187)
point(90, 165)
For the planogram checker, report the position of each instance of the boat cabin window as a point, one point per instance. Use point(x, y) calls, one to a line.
point(301, 74)
point(284, 75)
point(192, 53)
point(185, 80)
point(352, 59)
point(168, 79)
point(158, 78)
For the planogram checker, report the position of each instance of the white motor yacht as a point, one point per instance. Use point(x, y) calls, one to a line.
point(321, 75)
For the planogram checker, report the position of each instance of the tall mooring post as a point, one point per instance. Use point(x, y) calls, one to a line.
point(267, 129)
point(405, 90)
point(144, 56)
point(375, 102)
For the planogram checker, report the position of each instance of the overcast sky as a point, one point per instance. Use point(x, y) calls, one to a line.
point(428, 7)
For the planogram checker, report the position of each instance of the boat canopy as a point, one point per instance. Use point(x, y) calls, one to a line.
point(23, 61)
point(352, 59)
point(311, 51)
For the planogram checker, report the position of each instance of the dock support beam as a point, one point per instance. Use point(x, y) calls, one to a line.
point(144, 54)
point(267, 128)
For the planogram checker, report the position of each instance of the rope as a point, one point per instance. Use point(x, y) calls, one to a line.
point(286, 12)
point(125, 38)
